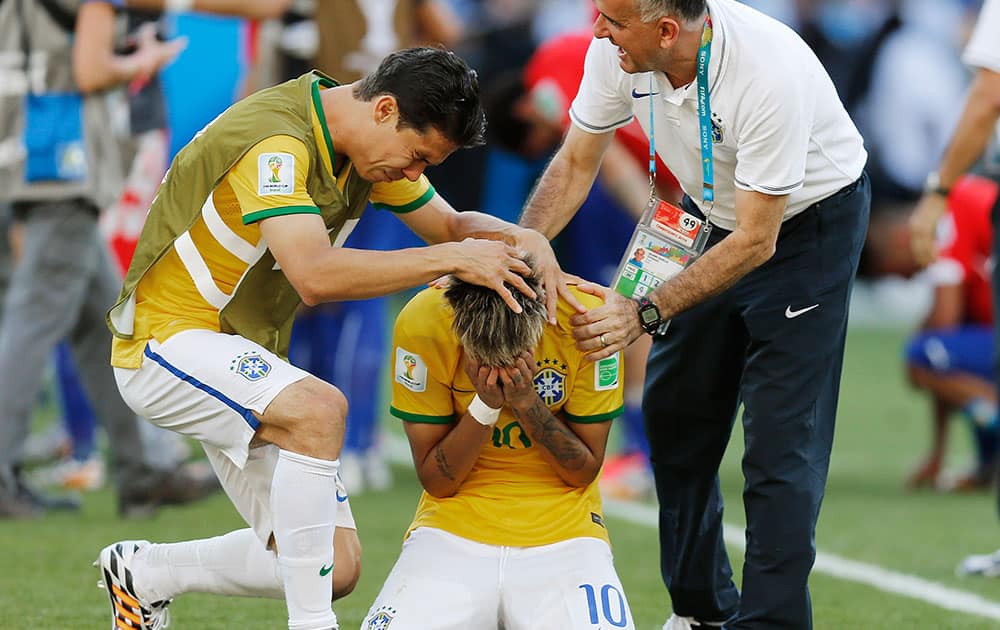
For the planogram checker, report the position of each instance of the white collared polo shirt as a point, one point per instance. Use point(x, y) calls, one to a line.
point(778, 124)
point(983, 49)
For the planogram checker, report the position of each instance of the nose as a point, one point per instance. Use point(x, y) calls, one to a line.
point(413, 171)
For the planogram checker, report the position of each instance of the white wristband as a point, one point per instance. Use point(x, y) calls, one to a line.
point(483, 413)
point(178, 6)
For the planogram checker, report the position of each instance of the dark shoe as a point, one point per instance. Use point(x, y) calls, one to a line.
point(187, 484)
point(13, 478)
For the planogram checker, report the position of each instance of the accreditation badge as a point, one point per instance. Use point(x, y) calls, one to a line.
point(665, 241)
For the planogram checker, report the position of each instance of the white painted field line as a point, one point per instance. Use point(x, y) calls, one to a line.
point(841, 568)
point(851, 570)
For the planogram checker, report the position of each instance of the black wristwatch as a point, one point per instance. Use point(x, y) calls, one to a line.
point(649, 315)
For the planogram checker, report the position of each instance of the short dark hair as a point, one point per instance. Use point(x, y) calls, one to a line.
point(687, 10)
point(433, 87)
point(489, 331)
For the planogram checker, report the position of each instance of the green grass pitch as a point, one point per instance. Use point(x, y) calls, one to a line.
point(47, 582)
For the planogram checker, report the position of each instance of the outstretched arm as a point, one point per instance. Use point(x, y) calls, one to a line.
point(321, 273)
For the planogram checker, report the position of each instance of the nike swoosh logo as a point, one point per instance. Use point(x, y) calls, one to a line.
point(790, 314)
point(642, 94)
point(325, 571)
point(341, 497)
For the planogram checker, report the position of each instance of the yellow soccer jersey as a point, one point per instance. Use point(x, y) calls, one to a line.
point(188, 287)
point(512, 496)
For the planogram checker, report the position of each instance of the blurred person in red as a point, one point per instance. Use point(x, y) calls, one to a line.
point(529, 113)
point(951, 356)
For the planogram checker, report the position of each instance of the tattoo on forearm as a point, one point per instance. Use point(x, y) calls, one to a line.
point(555, 436)
point(442, 463)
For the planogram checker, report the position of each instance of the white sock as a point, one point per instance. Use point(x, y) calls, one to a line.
point(304, 510)
point(235, 564)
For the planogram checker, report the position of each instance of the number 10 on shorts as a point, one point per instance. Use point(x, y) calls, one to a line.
point(611, 606)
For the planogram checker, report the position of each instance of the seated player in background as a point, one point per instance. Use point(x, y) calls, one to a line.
point(951, 356)
point(507, 424)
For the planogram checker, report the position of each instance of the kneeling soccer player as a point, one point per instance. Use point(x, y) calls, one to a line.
point(508, 424)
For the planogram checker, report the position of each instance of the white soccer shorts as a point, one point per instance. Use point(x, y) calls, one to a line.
point(207, 385)
point(446, 582)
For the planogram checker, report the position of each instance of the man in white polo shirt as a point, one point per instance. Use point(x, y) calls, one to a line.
point(744, 115)
point(975, 128)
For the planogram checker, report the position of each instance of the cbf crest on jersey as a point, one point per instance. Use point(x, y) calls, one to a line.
point(381, 619)
point(275, 174)
point(250, 366)
point(550, 381)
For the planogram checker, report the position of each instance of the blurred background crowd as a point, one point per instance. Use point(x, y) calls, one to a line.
point(896, 64)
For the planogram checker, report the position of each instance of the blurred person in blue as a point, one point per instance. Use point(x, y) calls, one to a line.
point(759, 318)
point(977, 125)
point(63, 164)
point(951, 357)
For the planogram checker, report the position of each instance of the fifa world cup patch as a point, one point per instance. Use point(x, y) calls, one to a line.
point(381, 619)
point(410, 370)
point(250, 366)
point(275, 174)
point(606, 373)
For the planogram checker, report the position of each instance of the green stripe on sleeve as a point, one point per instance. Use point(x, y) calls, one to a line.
point(410, 207)
point(277, 212)
point(603, 417)
point(414, 417)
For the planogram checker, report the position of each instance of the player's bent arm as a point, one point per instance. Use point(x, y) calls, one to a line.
point(444, 454)
point(575, 451)
point(946, 308)
point(751, 244)
point(322, 273)
point(566, 181)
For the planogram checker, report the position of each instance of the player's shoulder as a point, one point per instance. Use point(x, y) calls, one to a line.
point(565, 310)
point(280, 142)
point(426, 314)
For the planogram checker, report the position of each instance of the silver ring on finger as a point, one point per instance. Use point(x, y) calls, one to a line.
point(604, 340)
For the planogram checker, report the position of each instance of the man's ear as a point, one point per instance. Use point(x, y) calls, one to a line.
point(386, 109)
point(669, 29)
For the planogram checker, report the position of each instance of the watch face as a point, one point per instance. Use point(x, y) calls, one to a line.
point(649, 316)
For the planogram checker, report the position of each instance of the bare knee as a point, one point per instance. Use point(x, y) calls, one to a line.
point(307, 417)
point(347, 561)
